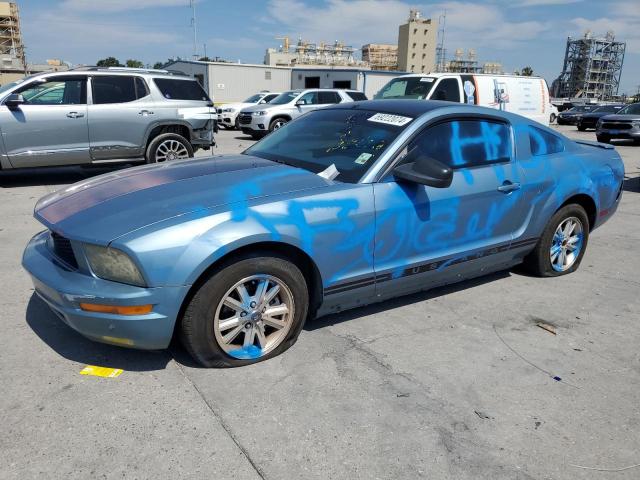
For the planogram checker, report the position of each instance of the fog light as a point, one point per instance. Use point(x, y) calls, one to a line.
point(117, 309)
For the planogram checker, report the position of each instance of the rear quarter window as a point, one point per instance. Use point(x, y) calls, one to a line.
point(173, 89)
point(543, 142)
point(357, 96)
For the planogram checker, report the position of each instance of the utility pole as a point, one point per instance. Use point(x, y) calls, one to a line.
point(192, 3)
point(440, 50)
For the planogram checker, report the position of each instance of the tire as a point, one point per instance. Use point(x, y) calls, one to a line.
point(201, 330)
point(173, 146)
point(552, 118)
point(236, 124)
point(539, 261)
point(277, 123)
point(581, 128)
point(603, 139)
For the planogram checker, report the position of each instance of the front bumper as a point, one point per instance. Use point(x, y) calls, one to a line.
point(228, 119)
point(568, 120)
point(631, 133)
point(63, 290)
point(252, 125)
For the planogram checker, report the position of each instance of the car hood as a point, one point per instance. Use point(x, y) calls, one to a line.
point(236, 106)
point(265, 106)
point(103, 208)
point(615, 117)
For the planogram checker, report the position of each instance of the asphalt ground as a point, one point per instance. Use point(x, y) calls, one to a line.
point(455, 383)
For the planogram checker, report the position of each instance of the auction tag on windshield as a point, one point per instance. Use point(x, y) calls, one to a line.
point(363, 158)
point(427, 79)
point(330, 172)
point(387, 118)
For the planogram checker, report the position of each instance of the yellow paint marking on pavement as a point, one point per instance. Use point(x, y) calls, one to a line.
point(101, 371)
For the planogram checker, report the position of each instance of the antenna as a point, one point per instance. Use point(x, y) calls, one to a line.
point(192, 4)
point(440, 51)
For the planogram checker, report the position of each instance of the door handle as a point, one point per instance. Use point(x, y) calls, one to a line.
point(145, 112)
point(508, 187)
point(75, 115)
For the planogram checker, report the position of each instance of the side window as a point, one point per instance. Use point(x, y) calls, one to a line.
point(357, 96)
point(465, 143)
point(142, 90)
point(268, 98)
point(544, 143)
point(310, 98)
point(174, 89)
point(447, 90)
point(113, 89)
point(56, 92)
point(328, 97)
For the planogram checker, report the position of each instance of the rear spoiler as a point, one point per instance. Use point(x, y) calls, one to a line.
point(590, 143)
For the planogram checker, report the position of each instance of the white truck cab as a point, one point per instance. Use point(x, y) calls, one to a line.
point(526, 96)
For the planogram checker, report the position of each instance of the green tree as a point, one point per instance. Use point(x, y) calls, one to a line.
point(134, 63)
point(204, 59)
point(527, 71)
point(158, 65)
point(109, 62)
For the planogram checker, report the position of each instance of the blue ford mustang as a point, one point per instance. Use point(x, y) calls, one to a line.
point(346, 206)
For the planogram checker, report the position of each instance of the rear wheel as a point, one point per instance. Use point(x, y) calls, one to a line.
point(582, 128)
point(167, 147)
point(562, 245)
point(603, 139)
point(552, 118)
point(247, 311)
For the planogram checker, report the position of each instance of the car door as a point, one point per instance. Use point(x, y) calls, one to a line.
point(307, 102)
point(50, 128)
point(427, 236)
point(120, 112)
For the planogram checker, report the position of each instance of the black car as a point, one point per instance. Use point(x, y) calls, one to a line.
point(624, 124)
point(589, 120)
point(571, 116)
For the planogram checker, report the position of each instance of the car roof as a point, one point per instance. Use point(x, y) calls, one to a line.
point(119, 71)
point(413, 108)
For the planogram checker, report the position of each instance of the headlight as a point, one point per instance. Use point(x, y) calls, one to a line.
point(228, 110)
point(636, 123)
point(112, 264)
point(259, 114)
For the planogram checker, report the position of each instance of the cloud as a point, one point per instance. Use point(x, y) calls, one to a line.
point(534, 3)
point(118, 5)
point(625, 29)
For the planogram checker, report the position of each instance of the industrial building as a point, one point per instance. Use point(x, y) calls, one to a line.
point(233, 82)
point(380, 56)
point(469, 64)
point(592, 68)
point(308, 53)
point(417, 44)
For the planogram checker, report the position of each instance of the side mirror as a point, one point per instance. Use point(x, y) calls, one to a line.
point(425, 171)
point(301, 102)
point(14, 100)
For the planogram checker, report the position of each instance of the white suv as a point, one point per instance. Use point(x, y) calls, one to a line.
point(228, 113)
point(259, 120)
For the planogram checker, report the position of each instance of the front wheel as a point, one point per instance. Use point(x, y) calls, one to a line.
point(167, 147)
point(603, 139)
point(246, 312)
point(582, 128)
point(562, 245)
point(552, 118)
point(277, 123)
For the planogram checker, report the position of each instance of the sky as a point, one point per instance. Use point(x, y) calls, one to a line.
point(516, 33)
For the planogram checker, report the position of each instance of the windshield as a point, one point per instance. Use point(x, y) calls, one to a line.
point(285, 97)
point(9, 86)
point(580, 108)
point(352, 140)
point(407, 87)
point(633, 109)
point(253, 98)
point(607, 108)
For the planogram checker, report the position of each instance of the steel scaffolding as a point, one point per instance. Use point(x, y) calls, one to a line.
point(592, 68)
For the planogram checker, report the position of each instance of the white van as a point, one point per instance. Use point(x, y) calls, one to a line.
point(527, 96)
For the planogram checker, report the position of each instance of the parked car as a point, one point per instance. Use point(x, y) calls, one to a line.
point(102, 115)
point(624, 124)
point(228, 113)
point(574, 114)
point(590, 119)
point(527, 96)
point(345, 206)
point(259, 120)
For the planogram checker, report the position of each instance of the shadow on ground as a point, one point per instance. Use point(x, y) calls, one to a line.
point(30, 177)
point(71, 345)
point(631, 185)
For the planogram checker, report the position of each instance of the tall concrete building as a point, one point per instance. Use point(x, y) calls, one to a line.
point(417, 44)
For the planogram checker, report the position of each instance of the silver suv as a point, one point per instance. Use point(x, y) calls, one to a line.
point(97, 115)
point(259, 120)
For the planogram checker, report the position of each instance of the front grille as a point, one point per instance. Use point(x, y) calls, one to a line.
point(617, 126)
point(245, 119)
point(63, 250)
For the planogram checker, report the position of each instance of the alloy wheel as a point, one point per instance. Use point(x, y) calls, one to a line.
point(254, 316)
point(566, 244)
point(171, 150)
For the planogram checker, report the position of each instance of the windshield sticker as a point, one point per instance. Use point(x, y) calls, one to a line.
point(330, 172)
point(388, 119)
point(427, 79)
point(363, 158)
